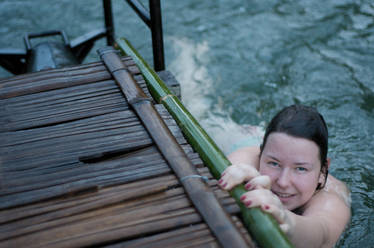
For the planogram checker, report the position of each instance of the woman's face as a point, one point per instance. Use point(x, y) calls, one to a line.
point(293, 166)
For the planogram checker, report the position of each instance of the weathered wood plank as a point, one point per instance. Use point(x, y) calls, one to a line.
point(35, 193)
point(61, 105)
point(54, 144)
point(94, 201)
point(34, 76)
point(40, 82)
point(137, 215)
point(40, 156)
point(110, 224)
point(80, 172)
point(183, 237)
point(88, 201)
point(101, 134)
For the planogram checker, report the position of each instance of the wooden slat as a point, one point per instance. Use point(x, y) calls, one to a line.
point(42, 191)
point(133, 211)
point(61, 105)
point(26, 222)
point(102, 196)
point(108, 224)
point(197, 235)
point(100, 135)
point(192, 235)
point(57, 140)
point(73, 70)
point(62, 78)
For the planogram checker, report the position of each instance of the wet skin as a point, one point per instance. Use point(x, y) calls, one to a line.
point(293, 166)
point(284, 178)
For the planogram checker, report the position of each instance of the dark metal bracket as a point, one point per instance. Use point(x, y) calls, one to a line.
point(82, 45)
point(16, 60)
point(153, 20)
point(29, 36)
point(13, 60)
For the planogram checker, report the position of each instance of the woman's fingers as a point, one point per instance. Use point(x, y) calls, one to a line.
point(257, 198)
point(285, 228)
point(270, 203)
point(264, 199)
point(259, 182)
point(275, 211)
point(236, 174)
point(230, 179)
point(280, 215)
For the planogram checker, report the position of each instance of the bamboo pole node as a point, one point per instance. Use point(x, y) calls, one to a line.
point(137, 100)
point(164, 97)
point(102, 52)
point(121, 69)
point(205, 178)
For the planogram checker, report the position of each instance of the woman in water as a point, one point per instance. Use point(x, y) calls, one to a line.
point(287, 177)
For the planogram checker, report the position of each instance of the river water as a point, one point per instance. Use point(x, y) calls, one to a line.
point(240, 61)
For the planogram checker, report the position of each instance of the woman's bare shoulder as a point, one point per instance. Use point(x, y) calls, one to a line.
point(246, 155)
point(334, 189)
point(339, 188)
point(332, 206)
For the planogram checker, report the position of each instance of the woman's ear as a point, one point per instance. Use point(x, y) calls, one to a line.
point(323, 175)
point(321, 179)
point(328, 160)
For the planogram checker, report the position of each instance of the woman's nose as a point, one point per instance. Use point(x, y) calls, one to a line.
point(284, 178)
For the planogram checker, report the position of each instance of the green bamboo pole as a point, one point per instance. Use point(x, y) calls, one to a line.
point(262, 226)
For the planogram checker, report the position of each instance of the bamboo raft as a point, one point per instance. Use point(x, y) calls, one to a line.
point(87, 160)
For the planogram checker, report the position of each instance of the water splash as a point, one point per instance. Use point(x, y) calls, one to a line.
point(190, 69)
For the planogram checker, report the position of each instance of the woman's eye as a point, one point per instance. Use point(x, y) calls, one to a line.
point(301, 169)
point(274, 164)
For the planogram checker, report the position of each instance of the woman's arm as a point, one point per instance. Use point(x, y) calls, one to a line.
point(320, 225)
point(247, 155)
point(322, 222)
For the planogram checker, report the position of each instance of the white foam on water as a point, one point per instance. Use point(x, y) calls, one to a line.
point(192, 76)
point(190, 69)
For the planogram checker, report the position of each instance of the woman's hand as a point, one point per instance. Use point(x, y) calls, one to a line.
point(259, 193)
point(237, 174)
point(269, 203)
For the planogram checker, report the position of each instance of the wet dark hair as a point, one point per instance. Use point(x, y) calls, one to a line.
point(302, 122)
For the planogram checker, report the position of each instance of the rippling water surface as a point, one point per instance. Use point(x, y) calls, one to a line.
point(240, 61)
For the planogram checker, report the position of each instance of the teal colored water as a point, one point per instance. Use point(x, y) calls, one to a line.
point(240, 61)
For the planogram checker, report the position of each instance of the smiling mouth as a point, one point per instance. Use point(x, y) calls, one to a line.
point(283, 195)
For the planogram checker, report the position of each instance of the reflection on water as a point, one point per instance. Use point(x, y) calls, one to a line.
point(240, 61)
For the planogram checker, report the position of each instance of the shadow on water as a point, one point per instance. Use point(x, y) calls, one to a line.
point(240, 61)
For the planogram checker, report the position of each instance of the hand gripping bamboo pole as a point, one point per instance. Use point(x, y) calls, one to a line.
point(200, 194)
point(262, 226)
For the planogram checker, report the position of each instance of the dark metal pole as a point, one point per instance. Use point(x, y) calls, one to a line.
point(141, 11)
point(108, 22)
point(157, 37)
